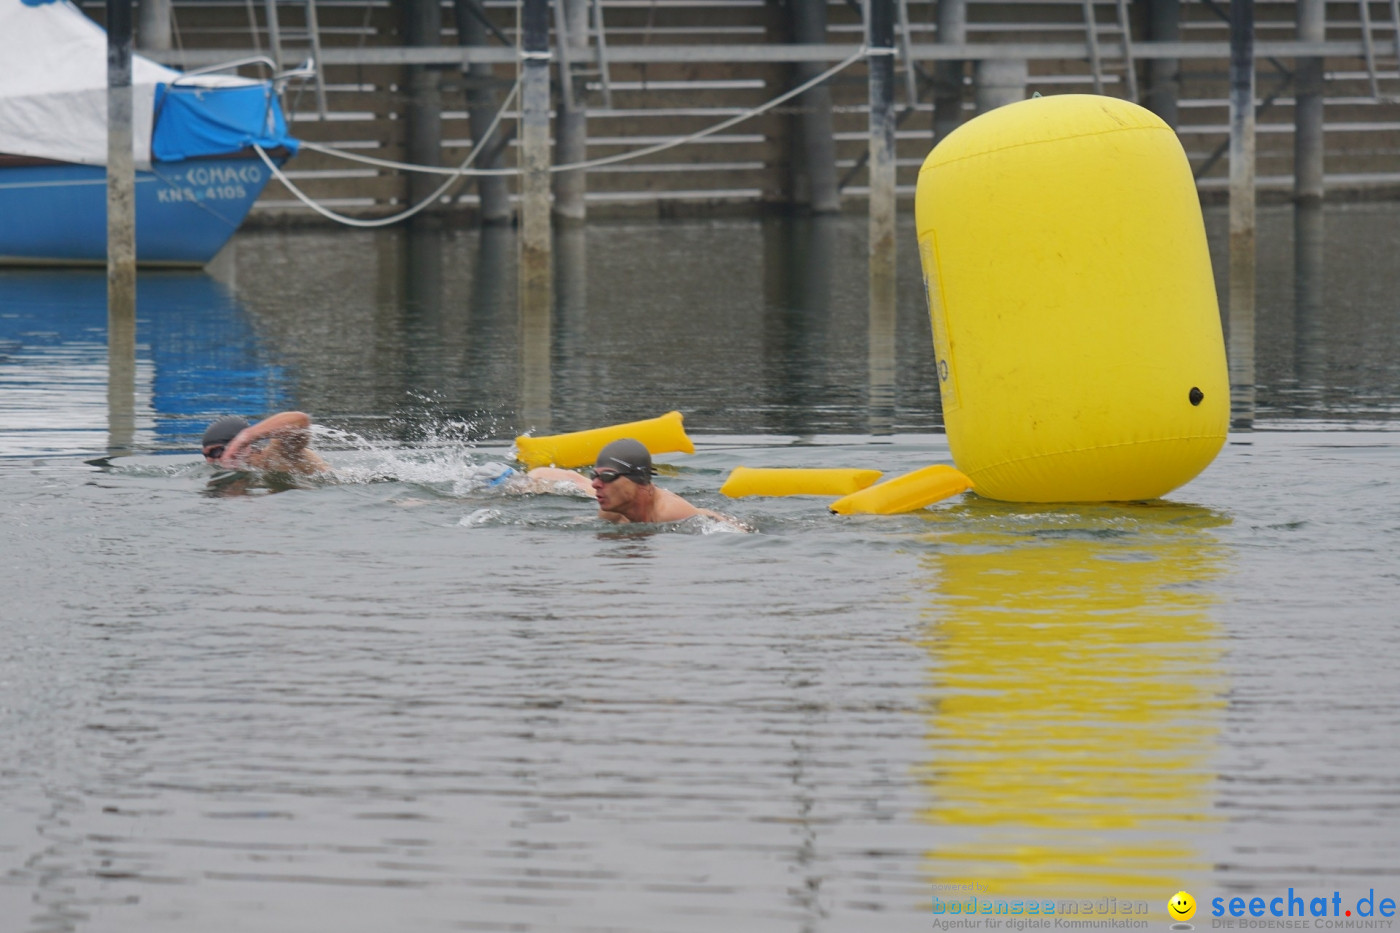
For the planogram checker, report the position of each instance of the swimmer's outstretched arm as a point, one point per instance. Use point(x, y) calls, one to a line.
point(543, 479)
point(289, 433)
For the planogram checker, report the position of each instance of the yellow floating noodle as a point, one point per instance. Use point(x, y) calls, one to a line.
point(764, 481)
point(1075, 321)
point(905, 493)
point(660, 435)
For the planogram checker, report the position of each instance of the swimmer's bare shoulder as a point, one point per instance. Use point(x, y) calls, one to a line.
point(672, 508)
point(668, 507)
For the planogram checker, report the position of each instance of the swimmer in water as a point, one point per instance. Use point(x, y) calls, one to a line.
point(277, 444)
point(622, 485)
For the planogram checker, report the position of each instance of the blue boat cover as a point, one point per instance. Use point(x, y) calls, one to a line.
point(53, 95)
point(196, 121)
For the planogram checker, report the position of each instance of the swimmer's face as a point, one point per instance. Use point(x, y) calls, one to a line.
point(612, 489)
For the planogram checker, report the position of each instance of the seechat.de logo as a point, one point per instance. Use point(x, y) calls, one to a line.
point(1300, 905)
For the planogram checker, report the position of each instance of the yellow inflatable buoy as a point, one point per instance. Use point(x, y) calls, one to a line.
point(1075, 321)
point(759, 481)
point(660, 435)
point(905, 493)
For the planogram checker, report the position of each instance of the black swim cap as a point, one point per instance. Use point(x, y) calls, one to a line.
point(223, 430)
point(627, 457)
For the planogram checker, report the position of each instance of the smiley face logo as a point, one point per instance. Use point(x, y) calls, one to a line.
point(1182, 906)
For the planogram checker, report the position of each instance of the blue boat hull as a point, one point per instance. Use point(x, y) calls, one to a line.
point(56, 214)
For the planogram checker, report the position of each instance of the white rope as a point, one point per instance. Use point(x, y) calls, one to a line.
point(723, 125)
point(455, 175)
point(605, 160)
point(463, 170)
point(408, 166)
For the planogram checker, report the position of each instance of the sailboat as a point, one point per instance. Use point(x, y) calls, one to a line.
point(197, 169)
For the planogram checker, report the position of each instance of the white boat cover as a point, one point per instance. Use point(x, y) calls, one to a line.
point(53, 85)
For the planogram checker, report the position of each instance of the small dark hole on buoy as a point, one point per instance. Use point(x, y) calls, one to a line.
point(1196, 395)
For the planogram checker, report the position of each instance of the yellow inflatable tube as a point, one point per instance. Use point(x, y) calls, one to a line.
point(905, 493)
point(758, 481)
point(660, 435)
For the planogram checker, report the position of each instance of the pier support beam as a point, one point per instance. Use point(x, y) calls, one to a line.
point(1308, 140)
point(121, 232)
point(422, 20)
point(1242, 214)
point(814, 180)
point(948, 76)
point(1001, 82)
point(1164, 74)
point(479, 81)
point(534, 143)
point(535, 233)
point(571, 121)
point(153, 29)
point(882, 153)
point(882, 207)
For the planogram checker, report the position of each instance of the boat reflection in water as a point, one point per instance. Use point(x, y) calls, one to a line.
point(1076, 702)
point(197, 357)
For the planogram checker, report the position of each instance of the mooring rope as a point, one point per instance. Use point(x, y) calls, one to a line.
point(454, 175)
point(463, 170)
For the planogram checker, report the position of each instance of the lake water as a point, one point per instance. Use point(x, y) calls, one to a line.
point(408, 700)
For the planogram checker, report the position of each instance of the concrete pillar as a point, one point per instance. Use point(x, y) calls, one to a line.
point(571, 121)
point(153, 31)
point(121, 232)
point(882, 188)
point(479, 81)
point(1242, 214)
point(814, 181)
point(1308, 138)
point(1164, 74)
point(1000, 82)
point(422, 21)
point(948, 75)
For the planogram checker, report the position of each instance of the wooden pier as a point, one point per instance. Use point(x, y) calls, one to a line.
point(412, 81)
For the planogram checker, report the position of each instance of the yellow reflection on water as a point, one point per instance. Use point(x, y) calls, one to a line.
point(1076, 699)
